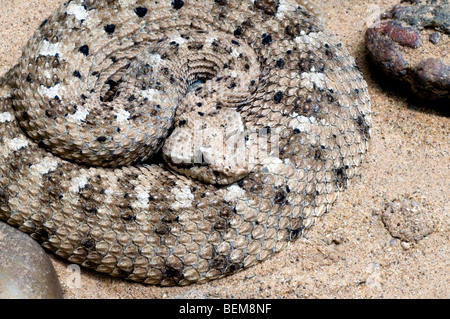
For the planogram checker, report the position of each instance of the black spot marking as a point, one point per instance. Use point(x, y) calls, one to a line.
point(280, 63)
point(110, 28)
point(295, 233)
point(266, 38)
point(269, 7)
point(220, 225)
point(162, 230)
point(341, 177)
point(127, 217)
point(173, 273)
point(278, 97)
point(195, 46)
point(302, 64)
point(84, 49)
point(88, 243)
point(101, 139)
point(182, 122)
point(221, 2)
point(42, 234)
point(280, 197)
point(238, 32)
point(318, 153)
point(77, 74)
point(232, 86)
point(363, 127)
point(50, 113)
point(43, 23)
point(141, 11)
point(177, 4)
point(219, 262)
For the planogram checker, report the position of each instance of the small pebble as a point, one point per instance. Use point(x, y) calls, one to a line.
point(393, 242)
point(26, 272)
point(408, 219)
point(434, 37)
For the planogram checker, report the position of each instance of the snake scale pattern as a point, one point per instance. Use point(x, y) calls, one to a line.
point(173, 142)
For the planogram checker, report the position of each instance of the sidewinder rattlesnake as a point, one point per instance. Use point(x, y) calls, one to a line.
point(172, 142)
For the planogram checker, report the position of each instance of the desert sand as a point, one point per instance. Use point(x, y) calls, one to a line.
point(350, 252)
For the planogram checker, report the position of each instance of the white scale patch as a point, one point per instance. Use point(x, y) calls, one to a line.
point(126, 3)
point(78, 183)
point(283, 7)
point(50, 92)
point(44, 166)
point(12, 145)
point(6, 117)
point(302, 123)
point(150, 94)
point(233, 193)
point(122, 115)
point(311, 78)
point(235, 53)
point(179, 40)
point(49, 49)
point(79, 116)
point(303, 38)
point(17, 143)
point(154, 60)
point(183, 198)
point(210, 41)
point(79, 12)
point(274, 165)
point(142, 199)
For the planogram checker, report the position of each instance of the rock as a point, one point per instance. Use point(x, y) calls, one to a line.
point(411, 44)
point(26, 272)
point(434, 37)
point(408, 218)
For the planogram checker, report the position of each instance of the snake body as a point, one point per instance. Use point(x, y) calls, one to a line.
point(172, 142)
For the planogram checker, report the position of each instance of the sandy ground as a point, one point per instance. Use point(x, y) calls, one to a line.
point(349, 253)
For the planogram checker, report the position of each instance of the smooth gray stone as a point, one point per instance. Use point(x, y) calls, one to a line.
point(26, 272)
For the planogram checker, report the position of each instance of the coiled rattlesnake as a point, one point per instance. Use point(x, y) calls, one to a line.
point(172, 142)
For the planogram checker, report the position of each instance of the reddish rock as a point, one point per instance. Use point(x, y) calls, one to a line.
point(402, 47)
